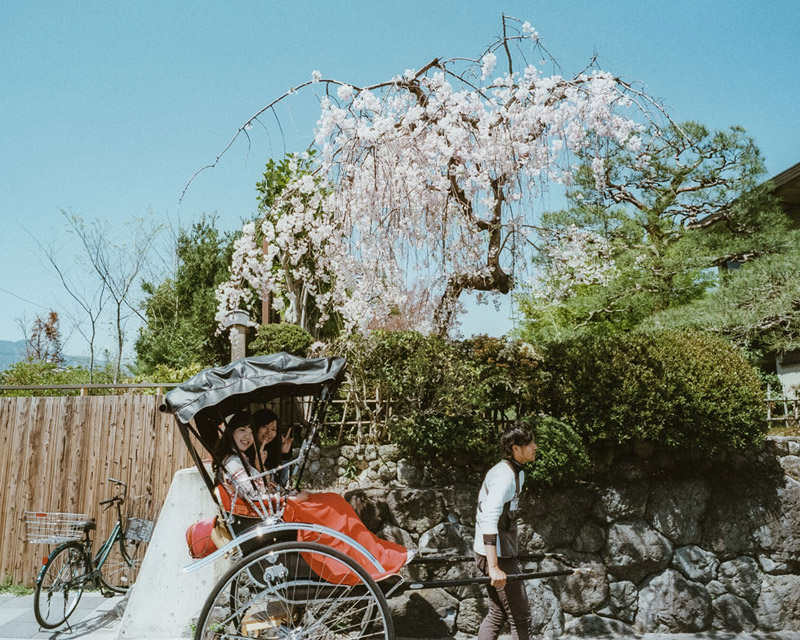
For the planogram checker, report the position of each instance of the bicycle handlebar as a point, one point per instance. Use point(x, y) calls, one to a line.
point(117, 499)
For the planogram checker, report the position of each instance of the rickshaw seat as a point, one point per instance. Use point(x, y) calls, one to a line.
point(244, 518)
point(238, 508)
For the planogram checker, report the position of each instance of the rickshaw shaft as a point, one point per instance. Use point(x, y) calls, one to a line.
point(463, 582)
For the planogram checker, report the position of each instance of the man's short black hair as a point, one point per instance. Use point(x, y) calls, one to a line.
point(516, 433)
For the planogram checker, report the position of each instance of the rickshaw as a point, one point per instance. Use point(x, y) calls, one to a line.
point(287, 579)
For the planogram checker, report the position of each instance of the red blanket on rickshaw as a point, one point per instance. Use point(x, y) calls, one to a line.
point(333, 511)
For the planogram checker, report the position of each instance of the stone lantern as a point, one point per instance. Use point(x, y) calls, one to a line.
point(238, 321)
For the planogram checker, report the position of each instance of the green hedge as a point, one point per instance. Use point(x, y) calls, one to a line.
point(679, 390)
point(676, 389)
point(450, 399)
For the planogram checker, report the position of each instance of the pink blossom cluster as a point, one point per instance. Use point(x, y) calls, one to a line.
point(429, 178)
point(572, 257)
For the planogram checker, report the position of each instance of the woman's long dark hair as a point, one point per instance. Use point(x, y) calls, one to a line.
point(226, 446)
point(262, 418)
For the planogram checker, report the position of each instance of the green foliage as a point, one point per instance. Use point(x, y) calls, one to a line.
point(181, 328)
point(424, 375)
point(7, 586)
point(676, 389)
point(445, 445)
point(447, 397)
point(272, 338)
point(49, 373)
point(509, 380)
point(756, 306)
point(561, 454)
point(669, 223)
point(163, 373)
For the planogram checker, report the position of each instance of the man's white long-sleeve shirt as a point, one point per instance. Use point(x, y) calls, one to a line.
point(498, 489)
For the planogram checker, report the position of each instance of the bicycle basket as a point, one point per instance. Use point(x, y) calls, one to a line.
point(53, 528)
point(139, 529)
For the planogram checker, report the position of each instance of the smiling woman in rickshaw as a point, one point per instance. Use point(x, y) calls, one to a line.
point(240, 451)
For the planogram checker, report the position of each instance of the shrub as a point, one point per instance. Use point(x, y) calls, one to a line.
point(423, 375)
point(165, 373)
point(509, 378)
point(446, 445)
point(561, 455)
point(673, 388)
point(272, 338)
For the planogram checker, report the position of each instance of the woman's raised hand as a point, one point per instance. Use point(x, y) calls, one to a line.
point(286, 442)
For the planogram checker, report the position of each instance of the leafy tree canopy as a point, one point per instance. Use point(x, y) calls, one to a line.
point(181, 329)
point(648, 231)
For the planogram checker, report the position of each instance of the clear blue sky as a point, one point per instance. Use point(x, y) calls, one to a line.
point(107, 108)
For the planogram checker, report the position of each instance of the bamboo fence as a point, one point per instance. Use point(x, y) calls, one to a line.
point(57, 454)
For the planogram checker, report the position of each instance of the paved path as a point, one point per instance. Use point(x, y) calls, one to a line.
point(98, 618)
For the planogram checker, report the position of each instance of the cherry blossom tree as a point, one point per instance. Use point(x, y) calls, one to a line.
point(427, 182)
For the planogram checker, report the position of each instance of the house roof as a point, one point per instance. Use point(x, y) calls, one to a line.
point(787, 188)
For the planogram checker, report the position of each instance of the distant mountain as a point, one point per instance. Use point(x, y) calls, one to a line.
point(12, 352)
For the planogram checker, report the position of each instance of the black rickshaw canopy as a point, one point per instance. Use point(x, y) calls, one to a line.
point(212, 395)
point(254, 379)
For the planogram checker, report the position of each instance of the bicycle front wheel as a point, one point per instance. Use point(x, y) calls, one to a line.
point(122, 565)
point(274, 593)
point(60, 584)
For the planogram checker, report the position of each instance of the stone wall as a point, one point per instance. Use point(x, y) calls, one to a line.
point(675, 545)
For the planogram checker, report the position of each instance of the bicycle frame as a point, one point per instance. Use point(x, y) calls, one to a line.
point(97, 560)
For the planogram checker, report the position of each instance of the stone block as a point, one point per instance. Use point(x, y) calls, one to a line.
point(432, 615)
point(623, 601)
point(417, 510)
point(471, 613)
point(791, 466)
point(447, 538)
point(742, 577)
point(408, 474)
point(547, 517)
point(634, 550)
point(668, 603)
point(547, 619)
point(590, 539)
point(715, 589)
point(675, 509)
point(775, 567)
point(593, 626)
point(695, 563)
point(580, 593)
point(621, 502)
point(778, 606)
point(732, 613)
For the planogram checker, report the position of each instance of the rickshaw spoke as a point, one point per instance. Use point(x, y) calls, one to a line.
point(277, 593)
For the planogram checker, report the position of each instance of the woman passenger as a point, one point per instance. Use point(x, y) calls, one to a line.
point(326, 508)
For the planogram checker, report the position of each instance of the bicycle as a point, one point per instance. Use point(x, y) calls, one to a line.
point(70, 568)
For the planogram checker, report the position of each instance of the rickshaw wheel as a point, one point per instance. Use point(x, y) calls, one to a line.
point(273, 593)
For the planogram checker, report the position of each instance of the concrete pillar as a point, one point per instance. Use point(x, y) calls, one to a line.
point(165, 601)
